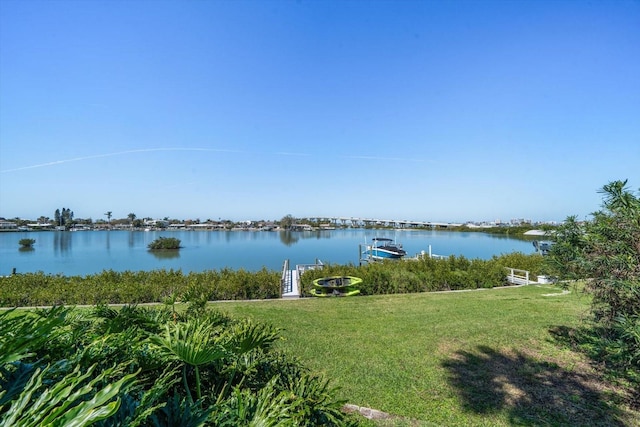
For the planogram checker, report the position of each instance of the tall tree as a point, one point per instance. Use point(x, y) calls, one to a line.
point(108, 214)
point(131, 217)
point(287, 221)
point(67, 217)
point(606, 252)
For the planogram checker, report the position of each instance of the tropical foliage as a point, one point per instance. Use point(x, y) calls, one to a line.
point(111, 287)
point(152, 367)
point(606, 250)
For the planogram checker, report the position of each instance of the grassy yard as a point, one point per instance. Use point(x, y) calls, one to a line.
point(486, 357)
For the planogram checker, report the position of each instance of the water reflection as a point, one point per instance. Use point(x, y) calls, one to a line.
point(289, 238)
point(62, 242)
point(26, 249)
point(84, 252)
point(165, 254)
point(135, 239)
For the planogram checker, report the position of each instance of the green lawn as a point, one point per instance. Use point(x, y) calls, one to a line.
point(486, 357)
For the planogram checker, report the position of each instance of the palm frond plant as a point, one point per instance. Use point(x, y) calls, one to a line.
point(142, 404)
point(21, 335)
point(247, 344)
point(193, 343)
point(75, 400)
point(245, 336)
point(179, 411)
point(314, 402)
point(269, 407)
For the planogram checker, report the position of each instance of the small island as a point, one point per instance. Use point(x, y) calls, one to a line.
point(164, 244)
point(26, 244)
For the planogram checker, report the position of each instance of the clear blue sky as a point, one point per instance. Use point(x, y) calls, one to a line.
point(420, 110)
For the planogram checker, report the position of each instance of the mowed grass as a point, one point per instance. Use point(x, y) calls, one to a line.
point(474, 358)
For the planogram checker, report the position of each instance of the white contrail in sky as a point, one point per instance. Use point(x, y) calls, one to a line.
point(119, 153)
point(215, 150)
point(395, 159)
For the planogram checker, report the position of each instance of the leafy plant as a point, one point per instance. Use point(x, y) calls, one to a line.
point(77, 399)
point(191, 343)
point(164, 243)
point(137, 366)
point(606, 250)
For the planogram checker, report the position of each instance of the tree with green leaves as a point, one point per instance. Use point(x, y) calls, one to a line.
point(131, 217)
point(605, 251)
point(287, 221)
point(64, 218)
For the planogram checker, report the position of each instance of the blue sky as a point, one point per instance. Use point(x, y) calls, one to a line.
point(420, 110)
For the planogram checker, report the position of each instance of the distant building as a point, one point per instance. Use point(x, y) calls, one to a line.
point(8, 225)
point(156, 223)
point(301, 227)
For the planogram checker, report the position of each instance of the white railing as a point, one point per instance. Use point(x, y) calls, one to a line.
point(286, 281)
point(301, 268)
point(518, 277)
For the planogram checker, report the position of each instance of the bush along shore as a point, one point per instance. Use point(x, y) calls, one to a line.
point(111, 287)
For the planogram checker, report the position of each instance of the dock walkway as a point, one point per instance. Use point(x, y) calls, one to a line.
point(290, 280)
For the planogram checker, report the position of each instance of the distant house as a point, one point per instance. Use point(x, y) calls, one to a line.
point(156, 223)
point(301, 227)
point(7, 225)
point(40, 226)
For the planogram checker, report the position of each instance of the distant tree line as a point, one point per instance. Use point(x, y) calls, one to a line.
point(63, 218)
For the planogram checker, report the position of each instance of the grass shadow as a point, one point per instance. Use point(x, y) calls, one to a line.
point(590, 341)
point(530, 391)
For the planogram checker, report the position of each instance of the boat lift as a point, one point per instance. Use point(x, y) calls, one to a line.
point(364, 257)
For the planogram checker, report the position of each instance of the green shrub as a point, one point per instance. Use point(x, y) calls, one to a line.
point(137, 287)
point(26, 243)
point(429, 274)
point(164, 243)
point(143, 366)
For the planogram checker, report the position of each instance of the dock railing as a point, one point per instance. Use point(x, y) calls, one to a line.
point(286, 281)
point(301, 268)
point(290, 280)
point(518, 277)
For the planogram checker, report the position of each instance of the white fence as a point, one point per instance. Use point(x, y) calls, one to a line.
point(518, 277)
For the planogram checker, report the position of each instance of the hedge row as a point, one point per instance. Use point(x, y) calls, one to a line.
point(429, 274)
point(129, 287)
point(111, 287)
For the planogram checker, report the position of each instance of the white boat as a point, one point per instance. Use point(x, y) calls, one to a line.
point(543, 246)
point(384, 248)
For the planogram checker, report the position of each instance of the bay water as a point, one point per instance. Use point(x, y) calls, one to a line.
point(88, 252)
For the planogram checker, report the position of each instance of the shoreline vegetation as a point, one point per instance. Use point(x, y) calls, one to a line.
point(137, 287)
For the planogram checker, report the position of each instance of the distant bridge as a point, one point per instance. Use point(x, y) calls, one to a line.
point(398, 223)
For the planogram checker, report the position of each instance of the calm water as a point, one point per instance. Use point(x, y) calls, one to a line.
point(88, 252)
